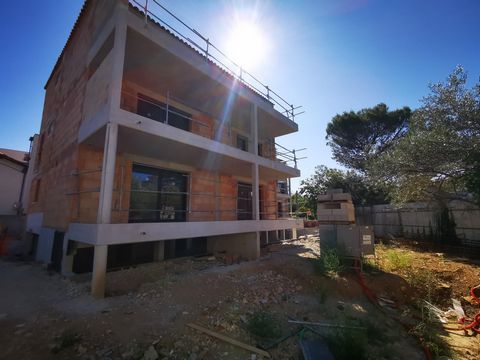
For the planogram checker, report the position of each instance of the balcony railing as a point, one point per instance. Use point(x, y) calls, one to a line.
point(154, 11)
point(202, 201)
point(167, 112)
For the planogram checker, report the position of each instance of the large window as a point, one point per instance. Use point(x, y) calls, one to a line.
point(157, 195)
point(157, 111)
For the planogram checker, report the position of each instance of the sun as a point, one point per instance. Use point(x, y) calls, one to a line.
point(247, 45)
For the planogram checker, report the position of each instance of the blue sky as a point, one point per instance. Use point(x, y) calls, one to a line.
point(328, 55)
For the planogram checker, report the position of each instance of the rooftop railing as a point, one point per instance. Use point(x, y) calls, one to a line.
point(156, 12)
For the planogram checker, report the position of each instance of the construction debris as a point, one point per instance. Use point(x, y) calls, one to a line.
point(230, 340)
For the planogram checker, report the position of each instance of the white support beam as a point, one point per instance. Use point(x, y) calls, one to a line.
point(255, 193)
point(104, 214)
point(255, 175)
point(254, 129)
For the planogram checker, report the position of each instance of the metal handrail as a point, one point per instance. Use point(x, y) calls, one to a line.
point(235, 70)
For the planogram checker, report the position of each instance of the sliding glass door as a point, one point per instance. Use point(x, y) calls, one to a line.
point(157, 195)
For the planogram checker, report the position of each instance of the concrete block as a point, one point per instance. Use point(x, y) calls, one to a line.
point(247, 245)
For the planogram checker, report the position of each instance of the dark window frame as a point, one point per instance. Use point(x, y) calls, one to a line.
point(158, 112)
point(242, 142)
point(244, 201)
point(165, 206)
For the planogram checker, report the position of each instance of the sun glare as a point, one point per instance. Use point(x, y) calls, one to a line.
point(247, 45)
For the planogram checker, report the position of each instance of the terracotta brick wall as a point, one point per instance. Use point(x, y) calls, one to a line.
point(269, 208)
point(62, 116)
point(228, 199)
point(86, 186)
point(203, 189)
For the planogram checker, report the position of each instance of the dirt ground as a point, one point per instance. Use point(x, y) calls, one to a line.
point(46, 316)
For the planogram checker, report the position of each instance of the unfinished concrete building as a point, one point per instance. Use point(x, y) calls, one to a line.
point(149, 149)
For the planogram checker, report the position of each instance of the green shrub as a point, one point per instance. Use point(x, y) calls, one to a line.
point(330, 261)
point(431, 339)
point(399, 260)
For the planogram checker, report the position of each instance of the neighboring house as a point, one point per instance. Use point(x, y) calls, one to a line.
point(149, 150)
point(15, 180)
point(13, 167)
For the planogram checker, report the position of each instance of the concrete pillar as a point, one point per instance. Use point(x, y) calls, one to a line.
point(255, 193)
point(254, 129)
point(254, 150)
point(104, 215)
point(99, 271)
point(159, 251)
point(67, 258)
point(294, 233)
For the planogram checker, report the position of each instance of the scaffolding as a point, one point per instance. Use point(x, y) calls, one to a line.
point(157, 13)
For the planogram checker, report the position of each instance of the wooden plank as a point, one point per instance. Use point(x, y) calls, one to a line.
point(326, 325)
point(230, 340)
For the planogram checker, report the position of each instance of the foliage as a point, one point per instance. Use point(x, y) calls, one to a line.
point(358, 137)
point(364, 191)
point(438, 158)
point(445, 227)
point(398, 260)
point(431, 339)
point(424, 282)
point(330, 261)
point(264, 325)
point(301, 205)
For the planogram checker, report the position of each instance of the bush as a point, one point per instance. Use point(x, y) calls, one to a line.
point(330, 261)
point(446, 227)
point(431, 339)
point(398, 260)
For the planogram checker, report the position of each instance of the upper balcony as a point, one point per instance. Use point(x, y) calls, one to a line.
point(167, 88)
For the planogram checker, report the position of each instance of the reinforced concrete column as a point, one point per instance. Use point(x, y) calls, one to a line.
point(159, 250)
point(255, 193)
point(294, 233)
point(99, 272)
point(104, 215)
point(254, 129)
point(118, 55)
